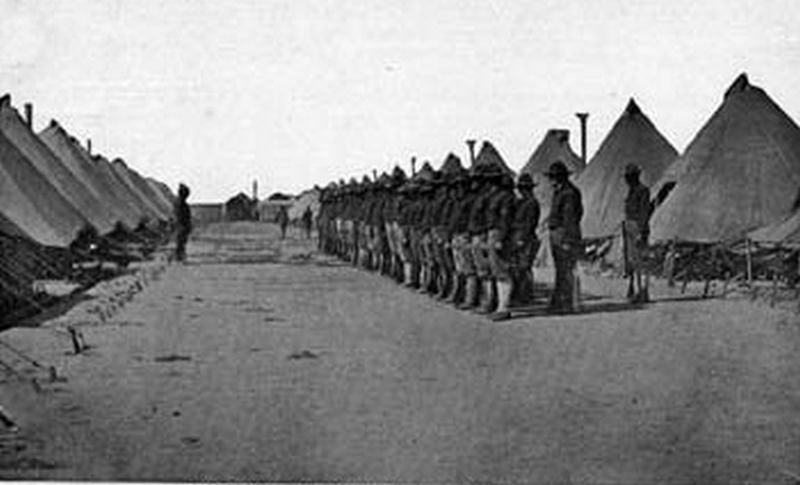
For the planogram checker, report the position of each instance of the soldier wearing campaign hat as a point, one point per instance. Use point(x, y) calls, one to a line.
point(564, 223)
point(524, 241)
point(636, 232)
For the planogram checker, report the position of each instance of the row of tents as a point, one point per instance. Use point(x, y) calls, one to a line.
point(60, 205)
point(734, 188)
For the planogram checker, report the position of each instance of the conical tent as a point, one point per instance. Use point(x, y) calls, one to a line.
point(633, 139)
point(79, 163)
point(48, 164)
point(32, 204)
point(785, 231)
point(488, 155)
point(739, 173)
point(553, 147)
point(451, 165)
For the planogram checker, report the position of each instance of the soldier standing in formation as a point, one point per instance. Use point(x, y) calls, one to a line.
point(461, 235)
point(524, 241)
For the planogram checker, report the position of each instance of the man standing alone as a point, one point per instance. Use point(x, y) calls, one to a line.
point(564, 224)
point(636, 231)
point(183, 223)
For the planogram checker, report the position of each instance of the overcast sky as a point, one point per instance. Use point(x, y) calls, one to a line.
point(293, 93)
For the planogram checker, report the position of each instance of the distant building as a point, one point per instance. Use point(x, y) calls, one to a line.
point(203, 214)
point(241, 208)
point(268, 209)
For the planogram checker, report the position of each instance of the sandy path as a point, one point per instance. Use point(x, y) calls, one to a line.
point(311, 370)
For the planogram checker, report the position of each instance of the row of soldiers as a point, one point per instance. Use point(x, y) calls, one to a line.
point(468, 237)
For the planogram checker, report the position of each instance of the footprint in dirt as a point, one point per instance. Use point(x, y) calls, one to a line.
point(303, 354)
point(172, 358)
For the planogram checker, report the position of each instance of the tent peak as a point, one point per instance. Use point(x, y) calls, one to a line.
point(632, 109)
point(561, 134)
point(739, 85)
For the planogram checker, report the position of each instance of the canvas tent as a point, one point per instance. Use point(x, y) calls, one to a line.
point(127, 177)
point(739, 173)
point(309, 198)
point(161, 192)
point(784, 232)
point(32, 204)
point(632, 139)
point(150, 196)
point(49, 165)
point(488, 155)
point(554, 146)
point(79, 163)
point(112, 180)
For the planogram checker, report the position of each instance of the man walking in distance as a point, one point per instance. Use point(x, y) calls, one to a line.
point(635, 233)
point(183, 223)
point(283, 220)
point(524, 242)
point(308, 221)
point(564, 223)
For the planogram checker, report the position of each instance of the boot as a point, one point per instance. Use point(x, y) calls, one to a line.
point(407, 270)
point(503, 299)
point(455, 288)
point(445, 281)
point(470, 294)
point(424, 279)
point(487, 299)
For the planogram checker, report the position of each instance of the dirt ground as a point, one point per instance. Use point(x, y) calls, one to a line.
point(263, 361)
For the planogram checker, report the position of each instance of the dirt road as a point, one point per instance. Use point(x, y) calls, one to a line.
point(262, 361)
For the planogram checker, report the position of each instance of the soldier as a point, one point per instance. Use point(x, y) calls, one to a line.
point(636, 231)
point(391, 214)
point(183, 223)
point(405, 223)
point(429, 211)
point(502, 206)
point(467, 280)
point(564, 223)
point(451, 173)
point(283, 220)
point(363, 212)
point(524, 241)
point(478, 227)
point(456, 230)
point(308, 221)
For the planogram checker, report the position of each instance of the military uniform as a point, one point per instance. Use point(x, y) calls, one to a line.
point(524, 241)
point(564, 223)
point(636, 232)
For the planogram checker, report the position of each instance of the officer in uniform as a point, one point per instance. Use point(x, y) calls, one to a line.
point(564, 223)
point(524, 241)
point(636, 232)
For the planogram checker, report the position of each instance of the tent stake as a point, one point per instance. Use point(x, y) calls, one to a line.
point(774, 290)
point(749, 263)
